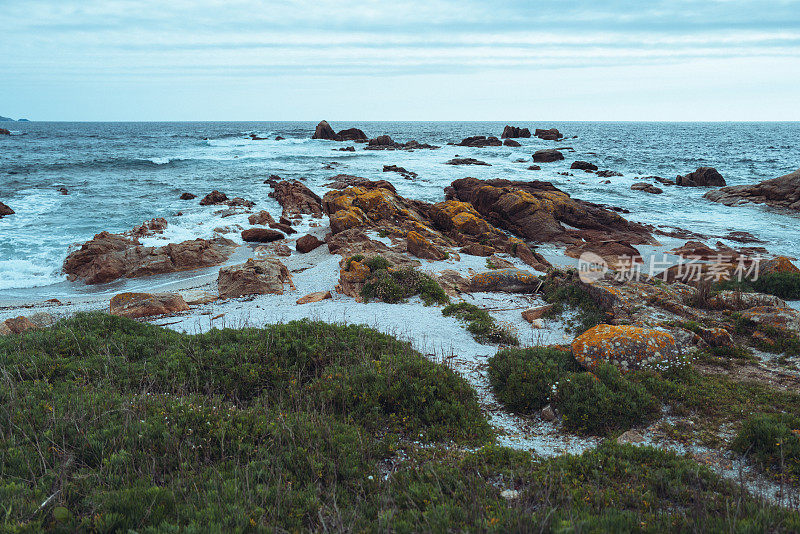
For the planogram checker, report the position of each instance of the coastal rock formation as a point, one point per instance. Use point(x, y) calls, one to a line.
point(16, 325)
point(262, 218)
point(261, 235)
point(583, 166)
point(5, 210)
point(781, 192)
point(188, 196)
point(647, 188)
point(702, 177)
point(466, 161)
point(3, 131)
point(479, 141)
point(307, 243)
point(618, 254)
point(376, 206)
point(779, 264)
point(625, 347)
point(135, 305)
point(540, 212)
point(351, 134)
point(511, 143)
point(324, 131)
point(608, 174)
point(509, 280)
point(150, 228)
point(422, 248)
point(551, 134)
point(515, 131)
point(107, 257)
point(296, 199)
point(214, 197)
point(254, 277)
point(547, 155)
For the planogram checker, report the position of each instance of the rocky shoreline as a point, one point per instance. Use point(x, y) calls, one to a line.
point(360, 252)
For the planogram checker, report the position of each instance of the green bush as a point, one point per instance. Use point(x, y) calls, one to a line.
point(774, 441)
point(565, 290)
point(768, 338)
point(523, 379)
point(782, 285)
point(395, 286)
point(480, 324)
point(604, 402)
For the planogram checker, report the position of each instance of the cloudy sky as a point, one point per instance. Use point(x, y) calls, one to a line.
point(400, 60)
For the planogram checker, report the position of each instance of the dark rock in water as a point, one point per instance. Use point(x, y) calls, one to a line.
point(3, 131)
point(239, 201)
point(647, 188)
point(279, 138)
point(551, 134)
point(583, 166)
point(324, 131)
point(742, 237)
point(346, 149)
point(351, 134)
point(214, 197)
point(5, 210)
point(546, 156)
point(466, 161)
point(665, 181)
point(479, 141)
point(255, 137)
point(307, 243)
point(511, 143)
point(781, 192)
point(283, 227)
point(400, 170)
point(382, 142)
point(188, 196)
point(296, 199)
point(261, 235)
point(534, 168)
point(63, 190)
point(608, 174)
point(515, 131)
point(702, 177)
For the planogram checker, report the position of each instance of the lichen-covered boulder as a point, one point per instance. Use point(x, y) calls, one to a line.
point(625, 347)
point(780, 264)
point(134, 305)
point(17, 325)
point(510, 280)
point(422, 248)
point(786, 319)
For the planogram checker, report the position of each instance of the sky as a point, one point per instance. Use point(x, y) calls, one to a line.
point(400, 60)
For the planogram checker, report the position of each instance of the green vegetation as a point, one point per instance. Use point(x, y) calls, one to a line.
point(766, 337)
point(480, 324)
point(132, 426)
point(123, 426)
point(398, 285)
point(604, 402)
point(774, 441)
point(782, 285)
point(566, 291)
point(522, 379)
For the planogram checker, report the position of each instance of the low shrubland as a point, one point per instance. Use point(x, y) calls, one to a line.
point(397, 285)
point(773, 440)
point(565, 291)
point(483, 327)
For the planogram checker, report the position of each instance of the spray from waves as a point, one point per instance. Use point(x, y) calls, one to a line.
point(15, 274)
point(111, 164)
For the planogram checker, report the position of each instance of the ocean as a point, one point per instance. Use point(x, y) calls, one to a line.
point(120, 174)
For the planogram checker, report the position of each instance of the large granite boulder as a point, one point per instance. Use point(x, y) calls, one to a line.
point(5, 210)
point(107, 257)
point(324, 131)
point(547, 155)
point(625, 347)
point(781, 192)
point(261, 235)
point(295, 198)
point(551, 134)
point(515, 131)
point(254, 277)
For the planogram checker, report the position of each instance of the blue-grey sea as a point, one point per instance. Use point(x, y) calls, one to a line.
point(120, 174)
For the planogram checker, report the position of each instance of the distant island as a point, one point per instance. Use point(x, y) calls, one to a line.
point(9, 119)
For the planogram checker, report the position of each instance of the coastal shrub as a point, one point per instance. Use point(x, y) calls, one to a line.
point(603, 402)
point(783, 285)
point(483, 327)
point(566, 291)
point(523, 379)
point(394, 286)
point(766, 337)
point(773, 440)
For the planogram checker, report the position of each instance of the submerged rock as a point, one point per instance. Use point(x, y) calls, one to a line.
point(583, 166)
point(5, 210)
point(547, 155)
point(647, 188)
point(214, 197)
point(479, 141)
point(466, 161)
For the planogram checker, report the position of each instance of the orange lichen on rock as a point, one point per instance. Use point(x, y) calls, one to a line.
point(781, 264)
point(625, 347)
point(512, 280)
point(422, 248)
